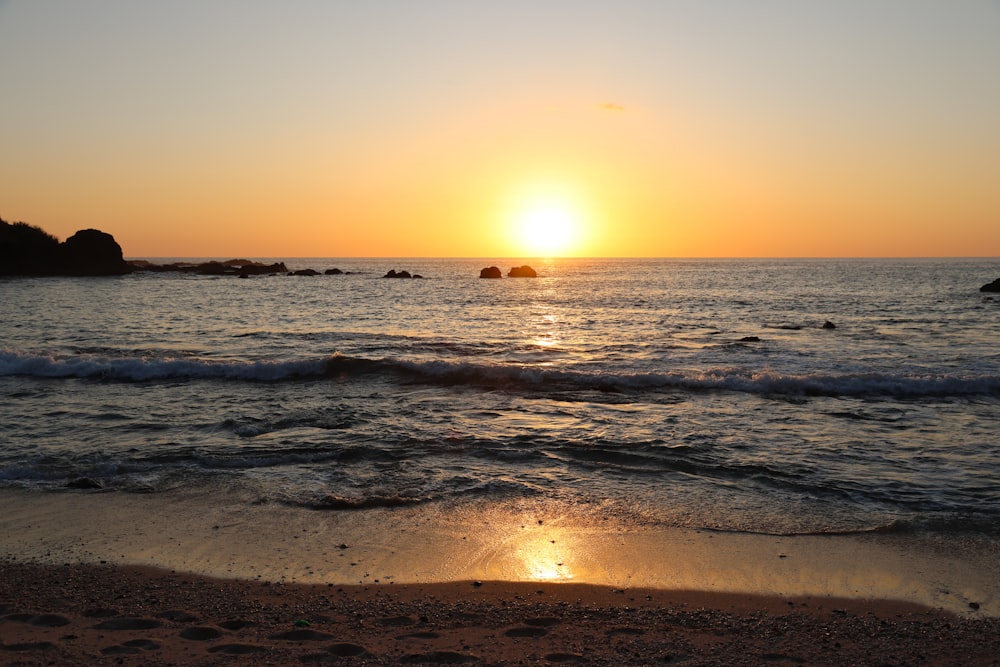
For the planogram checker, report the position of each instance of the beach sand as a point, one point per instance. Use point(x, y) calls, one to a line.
point(105, 578)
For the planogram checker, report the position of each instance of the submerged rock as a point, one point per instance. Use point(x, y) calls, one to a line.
point(304, 272)
point(829, 325)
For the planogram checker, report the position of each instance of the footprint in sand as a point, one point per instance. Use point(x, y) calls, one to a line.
point(527, 631)
point(200, 633)
point(20, 618)
point(345, 650)
point(29, 646)
point(41, 620)
point(236, 624)
point(131, 647)
point(49, 621)
point(534, 627)
point(128, 623)
point(563, 657)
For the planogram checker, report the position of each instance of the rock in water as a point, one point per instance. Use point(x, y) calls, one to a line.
point(991, 287)
point(90, 252)
point(522, 272)
point(490, 272)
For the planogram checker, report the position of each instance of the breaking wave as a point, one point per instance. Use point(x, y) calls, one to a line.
point(501, 376)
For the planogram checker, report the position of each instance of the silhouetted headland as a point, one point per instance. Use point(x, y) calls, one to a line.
point(26, 250)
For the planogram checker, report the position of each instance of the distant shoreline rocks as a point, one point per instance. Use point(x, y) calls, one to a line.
point(231, 267)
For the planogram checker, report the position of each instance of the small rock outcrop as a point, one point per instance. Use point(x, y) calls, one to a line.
point(524, 271)
point(333, 272)
point(991, 287)
point(393, 273)
point(304, 272)
point(490, 272)
point(829, 325)
point(90, 252)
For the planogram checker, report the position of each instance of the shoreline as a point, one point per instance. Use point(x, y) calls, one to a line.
point(129, 615)
point(226, 536)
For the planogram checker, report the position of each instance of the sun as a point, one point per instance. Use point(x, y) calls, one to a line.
point(547, 228)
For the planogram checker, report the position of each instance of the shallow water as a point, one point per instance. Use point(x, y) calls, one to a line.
point(621, 388)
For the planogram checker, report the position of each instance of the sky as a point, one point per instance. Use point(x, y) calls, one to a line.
point(522, 128)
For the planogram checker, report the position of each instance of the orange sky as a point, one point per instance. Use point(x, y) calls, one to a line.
point(444, 128)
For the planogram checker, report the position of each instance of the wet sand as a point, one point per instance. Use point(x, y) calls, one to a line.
point(186, 579)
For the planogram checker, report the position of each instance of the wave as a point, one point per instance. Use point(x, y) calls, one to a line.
point(500, 376)
point(139, 369)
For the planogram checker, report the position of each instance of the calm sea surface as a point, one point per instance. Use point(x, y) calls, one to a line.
point(701, 393)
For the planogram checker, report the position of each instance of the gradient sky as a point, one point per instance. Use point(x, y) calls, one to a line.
point(438, 127)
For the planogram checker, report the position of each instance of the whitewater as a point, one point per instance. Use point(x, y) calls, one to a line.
point(779, 397)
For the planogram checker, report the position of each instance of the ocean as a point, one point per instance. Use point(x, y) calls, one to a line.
point(778, 397)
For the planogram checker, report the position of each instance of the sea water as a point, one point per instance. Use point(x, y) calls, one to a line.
point(781, 397)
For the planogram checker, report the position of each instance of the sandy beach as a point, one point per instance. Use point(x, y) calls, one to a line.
point(85, 614)
point(140, 580)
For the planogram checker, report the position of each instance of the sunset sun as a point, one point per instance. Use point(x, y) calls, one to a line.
point(547, 228)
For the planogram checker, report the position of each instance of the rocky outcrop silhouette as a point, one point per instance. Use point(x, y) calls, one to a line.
point(28, 250)
point(243, 268)
point(91, 252)
point(393, 273)
point(991, 287)
point(490, 272)
point(522, 272)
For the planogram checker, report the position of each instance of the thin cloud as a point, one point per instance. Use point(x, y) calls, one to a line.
point(611, 106)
